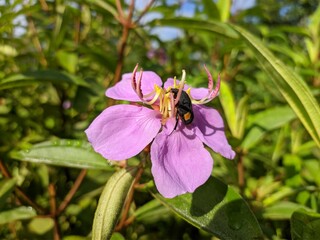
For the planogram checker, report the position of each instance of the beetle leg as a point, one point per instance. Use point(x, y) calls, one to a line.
point(176, 125)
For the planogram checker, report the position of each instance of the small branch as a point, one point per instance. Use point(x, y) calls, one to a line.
point(72, 191)
point(53, 211)
point(44, 5)
point(4, 170)
point(77, 26)
point(52, 200)
point(120, 10)
point(145, 10)
point(127, 25)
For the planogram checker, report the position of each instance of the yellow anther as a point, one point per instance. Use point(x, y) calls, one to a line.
point(174, 83)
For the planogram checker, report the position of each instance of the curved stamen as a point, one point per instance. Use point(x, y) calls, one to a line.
point(212, 93)
point(167, 100)
point(181, 85)
point(133, 79)
point(215, 92)
point(210, 82)
point(137, 85)
point(158, 92)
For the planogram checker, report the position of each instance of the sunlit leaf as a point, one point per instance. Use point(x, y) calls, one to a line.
point(229, 107)
point(67, 60)
point(41, 76)
point(41, 225)
point(6, 187)
point(264, 121)
point(63, 152)
point(280, 210)
point(224, 7)
point(17, 214)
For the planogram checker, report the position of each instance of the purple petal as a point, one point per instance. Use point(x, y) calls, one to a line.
point(196, 93)
point(123, 90)
point(210, 129)
point(122, 131)
point(180, 163)
point(199, 93)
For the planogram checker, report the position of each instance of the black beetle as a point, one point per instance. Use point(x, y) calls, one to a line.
point(184, 107)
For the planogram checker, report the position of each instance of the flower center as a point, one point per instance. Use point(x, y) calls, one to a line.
point(167, 101)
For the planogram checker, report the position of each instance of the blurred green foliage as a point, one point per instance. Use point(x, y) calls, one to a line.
point(58, 57)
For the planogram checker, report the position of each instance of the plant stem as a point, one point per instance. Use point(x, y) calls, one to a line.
point(53, 211)
point(72, 191)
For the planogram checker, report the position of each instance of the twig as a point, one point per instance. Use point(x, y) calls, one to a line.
point(44, 5)
point(72, 191)
point(145, 10)
point(127, 25)
point(53, 211)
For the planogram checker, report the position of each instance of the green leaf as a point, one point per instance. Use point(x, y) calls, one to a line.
point(106, 6)
point(188, 23)
point(117, 236)
point(272, 118)
point(211, 9)
point(241, 116)
point(264, 121)
point(305, 225)
point(8, 50)
point(291, 86)
point(217, 209)
point(151, 212)
point(64, 152)
point(41, 76)
point(111, 203)
point(224, 7)
point(6, 187)
point(40, 226)
point(229, 107)
point(17, 214)
point(67, 60)
point(280, 210)
point(74, 237)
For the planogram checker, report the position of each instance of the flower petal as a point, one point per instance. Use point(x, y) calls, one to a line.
point(122, 131)
point(196, 93)
point(123, 89)
point(180, 163)
point(210, 129)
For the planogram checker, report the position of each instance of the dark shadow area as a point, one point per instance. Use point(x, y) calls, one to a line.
point(207, 196)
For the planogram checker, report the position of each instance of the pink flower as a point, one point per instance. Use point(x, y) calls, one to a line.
point(180, 163)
